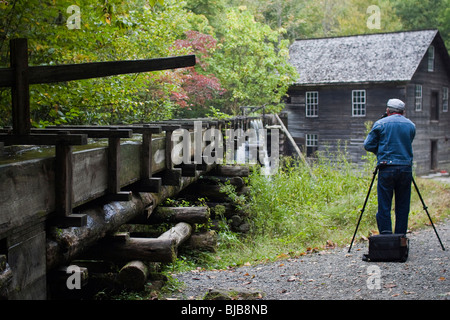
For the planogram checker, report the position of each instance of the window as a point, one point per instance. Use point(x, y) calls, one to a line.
point(359, 103)
point(312, 104)
point(445, 99)
point(312, 143)
point(418, 97)
point(431, 59)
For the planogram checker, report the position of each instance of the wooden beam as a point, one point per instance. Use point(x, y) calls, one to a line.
point(91, 133)
point(20, 87)
point(70, 72)
point(44, 139)
point(63, 180)
point(140, 129)
point(64, 190)
point(114, 193)
point(147, 182)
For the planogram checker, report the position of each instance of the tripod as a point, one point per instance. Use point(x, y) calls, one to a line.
point(367, 197)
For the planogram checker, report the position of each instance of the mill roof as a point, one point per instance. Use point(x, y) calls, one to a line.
point(382, 57)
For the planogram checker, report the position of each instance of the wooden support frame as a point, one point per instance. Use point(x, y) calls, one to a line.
point(114, 193)
point(61, 73)
point(148, 183)
point(20, 76)
point(171, 176)
point(63, 190)
point(20, 87)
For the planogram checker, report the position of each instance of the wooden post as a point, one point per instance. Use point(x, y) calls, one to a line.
point(172, 175)
point(148, 183)
point(63, 180)
point(114, 193)
point(20, 89)
point(63, 189)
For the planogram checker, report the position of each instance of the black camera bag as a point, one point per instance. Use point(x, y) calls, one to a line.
point(388, 248)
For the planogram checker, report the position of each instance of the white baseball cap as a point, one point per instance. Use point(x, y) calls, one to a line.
point(396, 104)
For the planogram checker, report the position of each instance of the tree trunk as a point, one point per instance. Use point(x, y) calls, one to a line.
point(126, 248)
point(204, 241)
point(180, 214)
point(134, 275)
point(64, 245)
point(179, 233)
point(190, 215)
point(146, 249)
point(233, 171)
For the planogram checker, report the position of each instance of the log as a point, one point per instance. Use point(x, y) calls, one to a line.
point(203, 241)
point(238, 182)
point(144, 249)
point(211, 192)
point(64, 245)
point(179, 214)
point(133, 275)
point(126, 248)
point(233, 171)
point(221, 209)
point(179, 233)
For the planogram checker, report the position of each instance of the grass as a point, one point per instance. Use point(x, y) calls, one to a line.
point(293, 212)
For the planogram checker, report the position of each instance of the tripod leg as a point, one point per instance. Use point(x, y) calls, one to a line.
point(363, 208)
point(425, 208)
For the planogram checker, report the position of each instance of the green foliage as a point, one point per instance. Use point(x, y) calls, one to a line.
point(251, 63)
point(248, 61)
point(428, 14)
point(112, 30)
point(294, 207)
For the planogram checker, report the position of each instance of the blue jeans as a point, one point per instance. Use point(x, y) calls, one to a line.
point(394, 179)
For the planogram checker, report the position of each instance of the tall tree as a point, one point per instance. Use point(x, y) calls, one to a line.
point(425, 14)
point(251, 63)
point(107, 30)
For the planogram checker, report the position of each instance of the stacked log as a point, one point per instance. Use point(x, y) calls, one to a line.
point(134, 275)
point(134, 253)
point(122, 247)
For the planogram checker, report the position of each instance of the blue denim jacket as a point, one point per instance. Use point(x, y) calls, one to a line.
point(391, 140)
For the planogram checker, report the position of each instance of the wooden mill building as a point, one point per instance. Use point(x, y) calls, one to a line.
point(345, 82)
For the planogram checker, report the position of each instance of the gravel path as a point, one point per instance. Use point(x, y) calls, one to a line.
point(336, 274)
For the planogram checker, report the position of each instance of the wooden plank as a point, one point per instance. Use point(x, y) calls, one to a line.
point(44, 139)
point(63, 181)
point(20, 88)
point(139, 129)
point(114, 192)
point(91, 133)
point(51, 74)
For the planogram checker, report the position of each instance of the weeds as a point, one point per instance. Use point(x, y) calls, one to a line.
point(292, 211)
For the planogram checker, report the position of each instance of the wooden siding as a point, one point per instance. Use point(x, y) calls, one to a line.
point(429, 130)
point(335, 125)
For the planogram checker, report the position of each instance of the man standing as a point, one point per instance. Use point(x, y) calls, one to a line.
point(391, 141)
